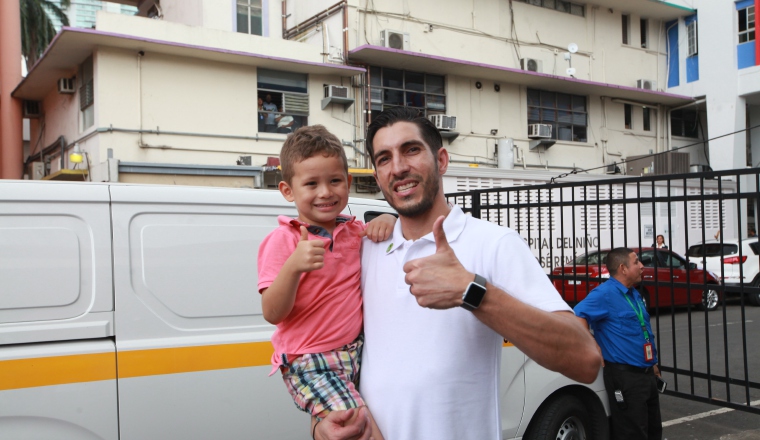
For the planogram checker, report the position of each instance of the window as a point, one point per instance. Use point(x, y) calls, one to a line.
point(646, 115)
point(393, 87)
point(560, 5)
point(670, 260)
point(644, 33)
point(684, 123)
point(628, 116)
point(747, 24)
point(591, 259)
point(249, 17)
point(648, 259)
point(626, 25)
point(691, 33)
point(564, 112)
point(87, 93)
point(283, 101)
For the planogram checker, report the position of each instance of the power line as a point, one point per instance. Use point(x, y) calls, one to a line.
point(654, 154)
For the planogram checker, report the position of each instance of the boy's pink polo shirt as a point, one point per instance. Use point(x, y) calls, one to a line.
point(327, 313)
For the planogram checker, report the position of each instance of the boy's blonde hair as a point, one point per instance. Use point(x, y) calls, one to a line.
point(307, 142)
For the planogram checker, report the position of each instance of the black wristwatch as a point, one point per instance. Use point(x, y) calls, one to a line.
point(474, 294)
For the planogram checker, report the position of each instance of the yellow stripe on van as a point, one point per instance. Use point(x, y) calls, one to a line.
point(188, 359)
point(57, 370)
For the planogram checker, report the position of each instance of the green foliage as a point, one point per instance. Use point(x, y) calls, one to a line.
point(37, 29)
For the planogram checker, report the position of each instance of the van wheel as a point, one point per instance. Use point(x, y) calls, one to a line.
point(564, 418)
point(710, 300)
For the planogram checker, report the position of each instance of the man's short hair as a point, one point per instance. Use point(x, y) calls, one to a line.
point(307, 142)
point(429, 133)
point(616, 257)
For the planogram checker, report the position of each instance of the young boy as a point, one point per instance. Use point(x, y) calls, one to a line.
point(309, 277)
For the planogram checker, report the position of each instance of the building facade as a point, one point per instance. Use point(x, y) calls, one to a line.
point(549, 86)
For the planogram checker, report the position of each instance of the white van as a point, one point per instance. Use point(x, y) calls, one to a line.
point(131, 312)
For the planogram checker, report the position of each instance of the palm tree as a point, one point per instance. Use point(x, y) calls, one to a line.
point(37, 29)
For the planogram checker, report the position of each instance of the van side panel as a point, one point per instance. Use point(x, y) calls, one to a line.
point(512, 389)
point(193, 347)
point(55, 262)
point(57, 355)
point(61, 390)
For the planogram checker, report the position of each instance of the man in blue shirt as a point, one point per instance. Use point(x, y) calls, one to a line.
point(619, 319)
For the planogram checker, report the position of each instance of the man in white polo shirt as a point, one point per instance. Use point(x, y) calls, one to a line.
point(440, 296)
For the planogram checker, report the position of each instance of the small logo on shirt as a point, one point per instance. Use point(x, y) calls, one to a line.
point(390, 246)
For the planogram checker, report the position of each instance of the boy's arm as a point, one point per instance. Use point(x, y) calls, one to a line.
point(380, 228)
point(278, 299)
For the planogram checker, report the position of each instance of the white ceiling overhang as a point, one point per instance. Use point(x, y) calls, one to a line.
point(400, 59)
point(73, 45)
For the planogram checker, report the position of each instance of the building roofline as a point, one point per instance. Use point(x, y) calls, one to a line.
point(72, 45)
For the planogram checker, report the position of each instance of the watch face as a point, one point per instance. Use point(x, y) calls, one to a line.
point(474, 295)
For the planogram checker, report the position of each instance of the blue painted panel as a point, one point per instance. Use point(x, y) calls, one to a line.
point(744, 4)
point(673, 71)
point(745, 53)
point(692, 69)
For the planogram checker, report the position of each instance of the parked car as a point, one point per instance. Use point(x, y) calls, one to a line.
point(575, 280)
point(730, 265)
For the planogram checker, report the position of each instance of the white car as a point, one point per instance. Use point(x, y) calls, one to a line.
point(732, 267)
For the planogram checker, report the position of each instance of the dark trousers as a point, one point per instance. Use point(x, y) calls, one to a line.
point(638, 417)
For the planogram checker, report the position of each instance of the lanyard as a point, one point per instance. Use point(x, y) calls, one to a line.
point(640, 315)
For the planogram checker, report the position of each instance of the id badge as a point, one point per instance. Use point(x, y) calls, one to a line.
point(648, 352)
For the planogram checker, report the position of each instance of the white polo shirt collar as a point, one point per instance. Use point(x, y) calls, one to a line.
point(453, 225)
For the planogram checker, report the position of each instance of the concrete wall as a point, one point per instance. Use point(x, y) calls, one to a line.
point(476, 31)
point(210, 102)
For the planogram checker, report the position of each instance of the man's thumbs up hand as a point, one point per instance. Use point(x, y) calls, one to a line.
point(309, 254)
point(439, 280)
point(441, 242)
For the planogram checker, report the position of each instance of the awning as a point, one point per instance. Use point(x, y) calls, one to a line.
point(73, 45)
point(68, 175)
point(401, 59)
point(652, 9)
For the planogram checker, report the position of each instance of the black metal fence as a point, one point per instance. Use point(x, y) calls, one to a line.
point(703, 290)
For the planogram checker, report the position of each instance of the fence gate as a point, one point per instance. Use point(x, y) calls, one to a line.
point(703, 291)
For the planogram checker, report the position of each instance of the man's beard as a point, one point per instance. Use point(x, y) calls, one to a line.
point(431, 185)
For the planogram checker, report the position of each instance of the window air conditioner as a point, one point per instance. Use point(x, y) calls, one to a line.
point(336, 91)
point(443, 122)
point(32, 109)
point(531, 64)
point(646, 84)
point(539, 131)
point(67, 85)
point(395, 39)
point(613, 168)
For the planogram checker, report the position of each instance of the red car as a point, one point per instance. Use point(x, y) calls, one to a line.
point(575, 280)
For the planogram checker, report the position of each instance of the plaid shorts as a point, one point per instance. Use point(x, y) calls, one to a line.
point(323, 382)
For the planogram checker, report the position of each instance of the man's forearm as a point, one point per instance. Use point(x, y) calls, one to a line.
point(557, 341)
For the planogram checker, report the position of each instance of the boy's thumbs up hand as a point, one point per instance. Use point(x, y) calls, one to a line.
point(309, 254)
point(439, 280)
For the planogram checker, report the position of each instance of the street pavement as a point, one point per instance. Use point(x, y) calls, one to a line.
point(689, 419)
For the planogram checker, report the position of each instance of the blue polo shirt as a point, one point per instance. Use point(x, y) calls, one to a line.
point(616, 328)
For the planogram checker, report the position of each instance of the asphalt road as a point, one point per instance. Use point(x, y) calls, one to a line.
point(688, 419)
